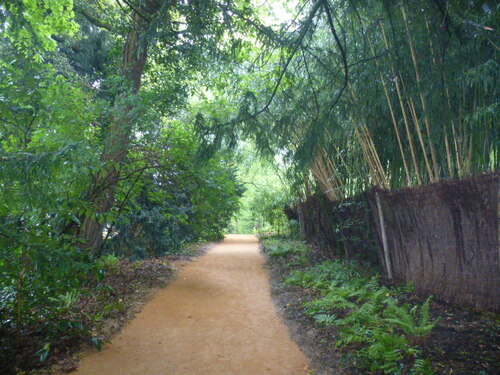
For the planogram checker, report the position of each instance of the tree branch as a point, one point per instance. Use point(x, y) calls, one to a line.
point(298, 43)
point(328, 11)
point(94, 20)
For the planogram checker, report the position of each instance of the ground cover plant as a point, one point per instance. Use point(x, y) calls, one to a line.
point(111, 292)
point(379, 329)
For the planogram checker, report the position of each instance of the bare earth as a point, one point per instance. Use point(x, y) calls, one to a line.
point(217, 318)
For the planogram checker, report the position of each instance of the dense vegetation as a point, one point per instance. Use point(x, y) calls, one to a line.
point(370, 93)
point(350, 320)
point(120, 120)
point(261, 206)
point(98, 153)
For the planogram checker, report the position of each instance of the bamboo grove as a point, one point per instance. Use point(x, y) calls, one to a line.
point(386, 93)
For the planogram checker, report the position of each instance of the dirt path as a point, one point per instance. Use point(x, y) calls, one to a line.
point(217, 318)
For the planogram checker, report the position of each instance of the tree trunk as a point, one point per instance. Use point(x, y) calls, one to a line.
point(116, 143)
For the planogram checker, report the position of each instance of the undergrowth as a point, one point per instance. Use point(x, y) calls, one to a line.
point(384, 333)
point(60, 320)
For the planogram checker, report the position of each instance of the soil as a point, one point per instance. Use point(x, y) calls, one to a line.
point(317, 343)
point(216, 318)
point(465, 342)
point(126, 288)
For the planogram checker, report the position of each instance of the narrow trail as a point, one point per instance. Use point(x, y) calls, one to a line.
point(217, 318)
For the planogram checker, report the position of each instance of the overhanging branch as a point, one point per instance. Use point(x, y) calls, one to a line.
point(94, 20)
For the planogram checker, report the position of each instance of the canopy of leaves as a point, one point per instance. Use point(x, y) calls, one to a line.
point(64, 89)
point(371, 93)
point(122, 114)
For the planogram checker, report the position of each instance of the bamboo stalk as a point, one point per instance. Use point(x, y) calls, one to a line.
point(332, 169)
point(448, 101)
point(420, 138)
point(347, 166)
point(322, 176)
point(371, 155)
point(431, 45)
point(398, 81)
point(470, 154)
point(371, 145)
point(393, 115)
point(365, 153)
point(457, 155)
point(448, 153)
point(457, 151)
point(372, 169)
point(423, 103)
point(370, 151)
point(385, 246)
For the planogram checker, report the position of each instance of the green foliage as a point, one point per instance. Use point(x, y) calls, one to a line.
point(421, 367)
point(413, 103)
point(47, 145)
point(182, 200)
point(282, 249)
point(267, 208)
point(323, 275)
point(294, 229)
point(264, 198)
point(325, 319)
point(386, 352)
point(107, 262)
point(72, 125)
point(367, 316)
point(63, 93)
point(411, 320)
point(31, 23)
point(293, 253)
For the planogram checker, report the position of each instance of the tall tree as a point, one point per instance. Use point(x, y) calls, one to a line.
point(117, 138)
point(169, 36)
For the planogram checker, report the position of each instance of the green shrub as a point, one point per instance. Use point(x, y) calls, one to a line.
point(286, 249)
point(108, 262)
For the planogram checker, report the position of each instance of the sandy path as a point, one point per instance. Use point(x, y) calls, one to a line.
point(217, 318)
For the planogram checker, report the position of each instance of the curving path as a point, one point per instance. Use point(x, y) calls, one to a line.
point(217, 318)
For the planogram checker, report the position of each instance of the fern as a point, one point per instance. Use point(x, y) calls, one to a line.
point(286, 249)
point(422, 367)
point(405, 318)
point(371, 318)
point(328, 303)
point(425, 316)
point(325, 319)
point(386, 351)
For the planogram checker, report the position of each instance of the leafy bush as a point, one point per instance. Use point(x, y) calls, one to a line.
point(182, 201)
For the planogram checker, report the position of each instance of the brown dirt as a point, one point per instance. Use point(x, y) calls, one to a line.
point(103, 309)
point(318, 343)
point(216, 318)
